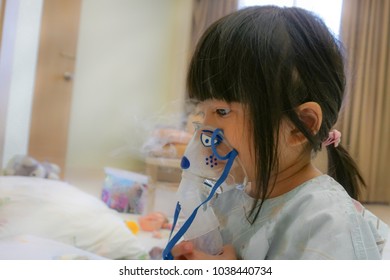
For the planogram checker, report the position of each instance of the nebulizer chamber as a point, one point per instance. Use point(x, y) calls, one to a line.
point(210, 167)
point(203, 232)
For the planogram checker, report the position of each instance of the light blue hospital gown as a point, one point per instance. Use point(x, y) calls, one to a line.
point(316, 220)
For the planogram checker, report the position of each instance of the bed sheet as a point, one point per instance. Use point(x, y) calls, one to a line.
point(29, 247)
point(147, 239)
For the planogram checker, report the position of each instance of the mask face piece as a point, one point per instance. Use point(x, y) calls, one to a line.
point(206, 157)
point(210, 167)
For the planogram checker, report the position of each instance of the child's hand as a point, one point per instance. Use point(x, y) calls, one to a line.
point(186, 251)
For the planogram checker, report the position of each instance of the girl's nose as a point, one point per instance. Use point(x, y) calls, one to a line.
point(209, 120)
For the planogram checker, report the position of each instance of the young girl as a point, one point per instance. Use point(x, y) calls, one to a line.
point(273, 80)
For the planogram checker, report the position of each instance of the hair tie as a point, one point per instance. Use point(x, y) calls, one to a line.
point(334, 138)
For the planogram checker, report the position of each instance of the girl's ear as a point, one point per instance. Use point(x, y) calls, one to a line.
point(310, 113)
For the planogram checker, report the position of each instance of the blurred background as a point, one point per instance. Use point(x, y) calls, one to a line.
point(83, 83)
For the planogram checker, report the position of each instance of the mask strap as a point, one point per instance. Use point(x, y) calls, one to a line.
point(172, 242)
point(213, 145)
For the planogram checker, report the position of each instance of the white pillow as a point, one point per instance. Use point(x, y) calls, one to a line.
point(61, 212)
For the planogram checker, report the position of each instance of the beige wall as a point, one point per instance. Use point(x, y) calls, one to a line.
point(130, 75)
point(19, 50)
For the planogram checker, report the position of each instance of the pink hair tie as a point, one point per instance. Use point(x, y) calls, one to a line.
point(334, 138)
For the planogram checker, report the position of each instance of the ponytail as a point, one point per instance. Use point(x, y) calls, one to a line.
point(344, 170)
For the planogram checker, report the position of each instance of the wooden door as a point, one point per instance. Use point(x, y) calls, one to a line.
point(54, 81)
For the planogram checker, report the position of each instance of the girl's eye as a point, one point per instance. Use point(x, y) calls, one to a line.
point(222, 112)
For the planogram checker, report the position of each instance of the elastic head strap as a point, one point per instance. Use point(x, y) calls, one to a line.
point(214, 144)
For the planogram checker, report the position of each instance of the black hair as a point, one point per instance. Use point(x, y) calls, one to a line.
point(271, 60)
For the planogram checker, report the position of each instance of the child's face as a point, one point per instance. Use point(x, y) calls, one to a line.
point(232, 119)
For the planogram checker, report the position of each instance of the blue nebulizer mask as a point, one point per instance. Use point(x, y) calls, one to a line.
point(210, 167)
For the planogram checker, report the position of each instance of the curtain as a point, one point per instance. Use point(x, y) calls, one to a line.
point(2, 12)
point(365, 118)
point(205, 12)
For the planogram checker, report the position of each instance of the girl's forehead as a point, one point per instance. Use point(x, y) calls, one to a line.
point(210, 102)
point(217, 103)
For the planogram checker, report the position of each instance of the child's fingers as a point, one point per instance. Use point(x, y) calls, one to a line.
point(185, 251)
point(182, 249)
point(229, 253)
